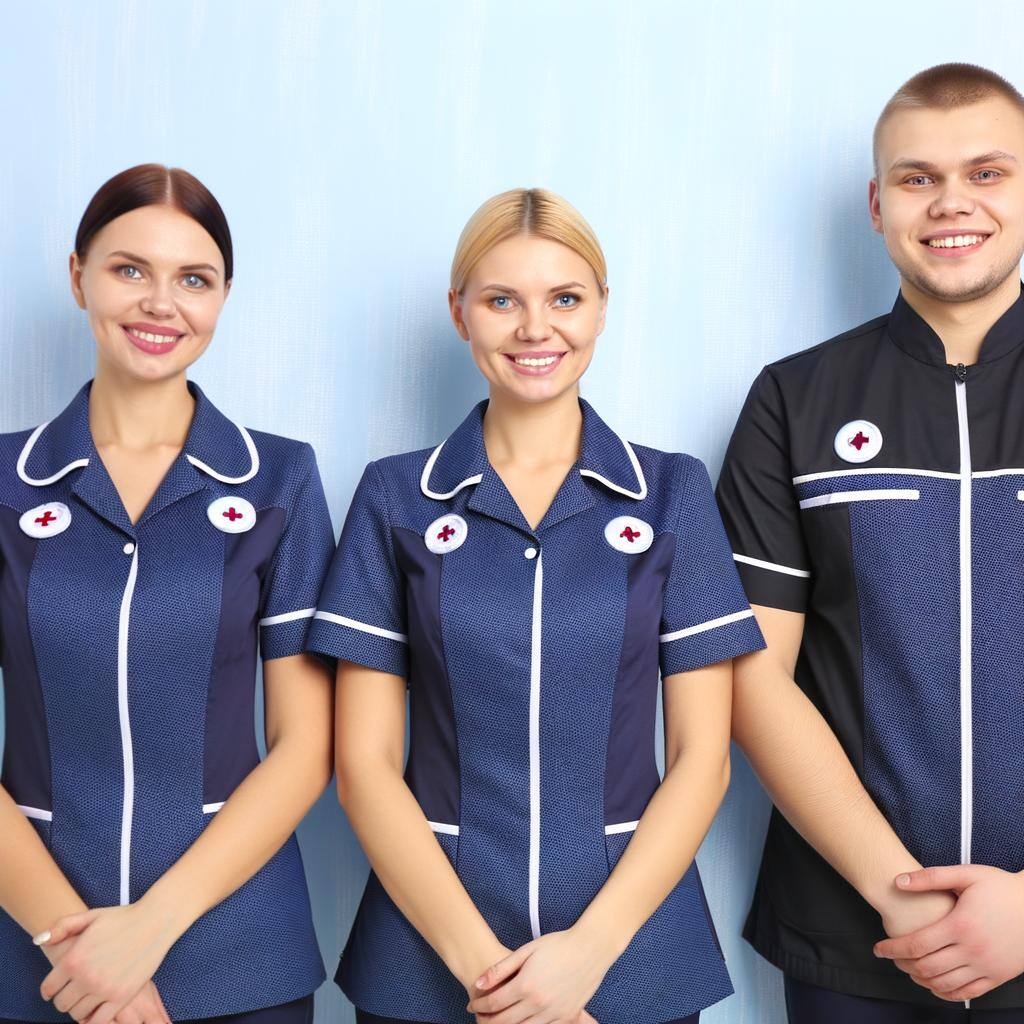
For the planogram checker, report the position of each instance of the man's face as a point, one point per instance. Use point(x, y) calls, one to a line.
point(949, 197)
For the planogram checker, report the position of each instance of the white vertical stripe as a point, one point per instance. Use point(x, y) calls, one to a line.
point(966, 724)
point(535, 649)
point(126, 727)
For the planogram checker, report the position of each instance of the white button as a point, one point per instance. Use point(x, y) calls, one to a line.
point(530, 552)
point(129, 548)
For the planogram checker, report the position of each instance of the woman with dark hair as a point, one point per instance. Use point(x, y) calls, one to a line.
point(148, 547)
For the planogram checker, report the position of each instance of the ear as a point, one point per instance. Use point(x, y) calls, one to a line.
point(875, 204)
point(455, 308)
point(75, 273)
point(604, 309)
point(227, 288)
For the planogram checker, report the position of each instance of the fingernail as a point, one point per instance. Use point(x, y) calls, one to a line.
point(479, 983)
point(903, 880)
point(41, 938)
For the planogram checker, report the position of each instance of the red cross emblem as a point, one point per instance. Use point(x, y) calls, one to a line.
point(629, 534)
point(446, 533)
point(232, 514)
point(860, 440)
point(46, 518)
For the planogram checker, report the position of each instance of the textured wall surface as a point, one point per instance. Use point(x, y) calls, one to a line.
point(720, 150)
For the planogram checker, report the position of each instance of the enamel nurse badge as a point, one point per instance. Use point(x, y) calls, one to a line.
point(46, 520)
point(629, 534)
point(446, 534)
point(858, 441)
point(232, 515)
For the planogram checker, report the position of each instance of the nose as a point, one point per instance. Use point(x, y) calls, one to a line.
point(534, 325)
point(952, 200)
point(158, 300)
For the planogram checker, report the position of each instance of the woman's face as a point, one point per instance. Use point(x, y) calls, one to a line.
point(531, 310)
point(153, 286)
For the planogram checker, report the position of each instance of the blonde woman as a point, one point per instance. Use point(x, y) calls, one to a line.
point(526, 579)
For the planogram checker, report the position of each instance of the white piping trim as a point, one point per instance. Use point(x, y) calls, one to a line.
point(210, 808)
point(126, 727)
point(341, 620)
point(253, 455)
point(725, 620)
point(984, 473)
point(440, 826)
point(1020, 495)
point(966, 724)
point(774, 566)
point(35, 812)
point(273, 620)
point(639, 495)
point(425, 476)
point(842, 497)
point(535, 654)
point(622, 826)
point(27, 450)
point(829, 474)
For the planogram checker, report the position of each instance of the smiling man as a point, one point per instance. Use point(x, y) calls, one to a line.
point(873, 492)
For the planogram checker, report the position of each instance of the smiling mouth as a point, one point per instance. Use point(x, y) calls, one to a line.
point(535, 365)
point(151, 342)
point(965, 241)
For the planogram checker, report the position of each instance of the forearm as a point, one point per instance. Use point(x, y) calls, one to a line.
point(33, 890)
point(244, 834)
point(666, 840)
point(807, 774)
point(412, 867)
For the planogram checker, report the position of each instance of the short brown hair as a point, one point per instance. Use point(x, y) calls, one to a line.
point(156, 185)
point(945, 87)
point(525, 211)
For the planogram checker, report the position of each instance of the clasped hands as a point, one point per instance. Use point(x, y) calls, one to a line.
point(977, 945)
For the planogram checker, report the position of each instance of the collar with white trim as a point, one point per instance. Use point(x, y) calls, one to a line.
point(461, 460)
point(215, 445)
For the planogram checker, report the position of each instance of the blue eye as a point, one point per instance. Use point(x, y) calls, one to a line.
point(194, 281)
point(567, 300)
point(501, 302)
point(918, 179)
point(989, 174)
point(127, 271)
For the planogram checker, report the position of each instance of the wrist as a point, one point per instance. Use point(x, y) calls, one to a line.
point(603, 940)
point(468, 961)
point(169, 913)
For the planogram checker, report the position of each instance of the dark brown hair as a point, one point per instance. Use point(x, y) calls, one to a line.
point(945, 87)
point(156, 185)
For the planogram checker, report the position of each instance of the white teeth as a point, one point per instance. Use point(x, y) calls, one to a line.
point(159, 339)
point(528, 361)
point(955, 241)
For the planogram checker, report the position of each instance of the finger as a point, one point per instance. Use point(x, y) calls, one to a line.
point(84, 1007)
point(945, 984)
point(931, 966)
point(73, 924)
point(54, 981)
point(68, 996)
point(498, 999)
point(166, 1017)
point(975, 990)
point(917, 944)
point(505, 968)
point(955, 877)
point(105, 1014)
point(130, 1014)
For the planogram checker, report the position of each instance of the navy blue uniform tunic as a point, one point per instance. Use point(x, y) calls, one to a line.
point(532, 658)
point(878, 491)
point(129, 665)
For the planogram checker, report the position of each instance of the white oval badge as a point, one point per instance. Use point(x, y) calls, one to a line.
point(232, 514)
point(629, 534)
point(858, 441)
point(446, 534)
point(46, 520)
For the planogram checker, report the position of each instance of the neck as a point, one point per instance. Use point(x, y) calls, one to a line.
point(529, 433)
point(962, 326)
point(137, 414)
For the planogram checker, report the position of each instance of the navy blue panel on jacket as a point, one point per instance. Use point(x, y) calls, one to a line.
point(878, 490)
point(129, 659)
point(533, 658)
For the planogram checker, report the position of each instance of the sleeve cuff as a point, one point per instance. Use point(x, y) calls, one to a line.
point(283, 635)
point(338, 636)
point(693, 647)
point(774, 585)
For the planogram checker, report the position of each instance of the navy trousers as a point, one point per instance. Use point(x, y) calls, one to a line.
point(807, 1004)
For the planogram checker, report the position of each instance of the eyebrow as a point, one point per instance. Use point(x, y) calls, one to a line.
point(144, 262)
point(512, 291)
point(910, 164)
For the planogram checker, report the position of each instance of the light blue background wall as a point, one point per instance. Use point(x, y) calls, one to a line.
point(720, 150)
